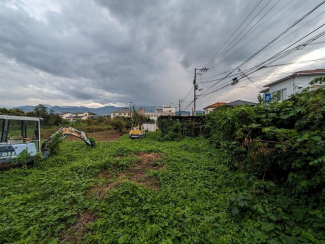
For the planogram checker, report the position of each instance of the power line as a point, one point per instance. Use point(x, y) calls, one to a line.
point(211, 64)
point(296, 31)
point(283, 51)
point(267, 28)
point(306, 61)
point(187, 95)
point(245, 34)
point(283, 16)
point(234, 33)
point(257, 86)
point(276, 57)
point(282, 33)
point(254, 55)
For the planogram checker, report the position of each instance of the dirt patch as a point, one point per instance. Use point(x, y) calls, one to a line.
point(77, 231)
point(149, 157)
point(136, 173)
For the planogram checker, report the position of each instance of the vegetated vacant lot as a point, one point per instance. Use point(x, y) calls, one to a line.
point(138, 191)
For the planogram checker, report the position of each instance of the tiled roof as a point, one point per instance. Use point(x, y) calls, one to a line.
point(310, 71)
point(125, 110)
point(215, 105)
point(90, 113)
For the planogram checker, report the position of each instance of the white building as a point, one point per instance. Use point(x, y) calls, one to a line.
point(65, 115)
point(212, 107)
point(292, 84)
point(150, 126)
point(164, 111)
point(125, 112)
point(72, 117)
point(169, 109)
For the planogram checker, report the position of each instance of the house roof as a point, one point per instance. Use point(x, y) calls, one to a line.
point(91, 113)
point(298, 73)
point(215, 105)
point(317, 71)
point(74, 117)
point(63, 113)
point(265, 90)
point(85, 112)
point(240, 102)
point(124, 110)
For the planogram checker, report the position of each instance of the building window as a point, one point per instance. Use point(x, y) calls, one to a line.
point(284, 94)
point(280, 94)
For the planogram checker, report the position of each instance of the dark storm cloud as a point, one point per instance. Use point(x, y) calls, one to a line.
point(117, 51)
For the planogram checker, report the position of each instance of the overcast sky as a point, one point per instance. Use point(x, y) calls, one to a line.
point(110, 52)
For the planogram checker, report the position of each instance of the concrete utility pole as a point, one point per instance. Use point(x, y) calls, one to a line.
point(179, 107)
point(130, 109)
point(196, 86)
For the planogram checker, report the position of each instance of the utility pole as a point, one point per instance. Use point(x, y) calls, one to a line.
point(179, 107)
point(130, 109)
point(196, 86)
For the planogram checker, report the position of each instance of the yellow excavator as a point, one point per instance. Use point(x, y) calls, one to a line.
point(137, 131)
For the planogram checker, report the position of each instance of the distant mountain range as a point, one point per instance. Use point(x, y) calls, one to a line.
point(106, 110)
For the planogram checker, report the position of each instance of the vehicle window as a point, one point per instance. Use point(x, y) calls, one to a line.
point(31, 130)
point(15, 129)
point(1, 128)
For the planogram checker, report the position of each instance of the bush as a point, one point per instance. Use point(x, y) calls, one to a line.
point(283, 141)
point(118, 124)
point(171, 130)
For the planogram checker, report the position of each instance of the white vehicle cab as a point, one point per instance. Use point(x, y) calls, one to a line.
point(18, 133)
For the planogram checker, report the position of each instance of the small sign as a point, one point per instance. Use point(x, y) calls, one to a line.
point(267, 97)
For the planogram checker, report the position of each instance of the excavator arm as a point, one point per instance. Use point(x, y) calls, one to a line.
point(65, 131)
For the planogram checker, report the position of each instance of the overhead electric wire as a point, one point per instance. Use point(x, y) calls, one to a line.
point(267, 28)
point(290, 9)
point(278, 19)
point(287, 51)
point(306, 61)
point(285, 31)
point(245, 34)
point(187, 95)
point(276, 57)
point(188, 105)
point(257, 86)
point(210, 65)
point(234, 33)
point(295, 32)
point(246, 61)
point(276, 38)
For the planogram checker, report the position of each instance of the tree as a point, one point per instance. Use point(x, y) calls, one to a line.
point(13, 111)
point(118, 124)
point(41, 111)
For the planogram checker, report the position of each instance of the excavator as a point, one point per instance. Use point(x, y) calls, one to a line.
point(19, 133)
point(137, 131)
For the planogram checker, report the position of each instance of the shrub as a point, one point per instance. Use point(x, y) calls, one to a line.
point(283, 141)
point(118, 124)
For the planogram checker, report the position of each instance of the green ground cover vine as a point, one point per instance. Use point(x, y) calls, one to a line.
point(257, 179)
